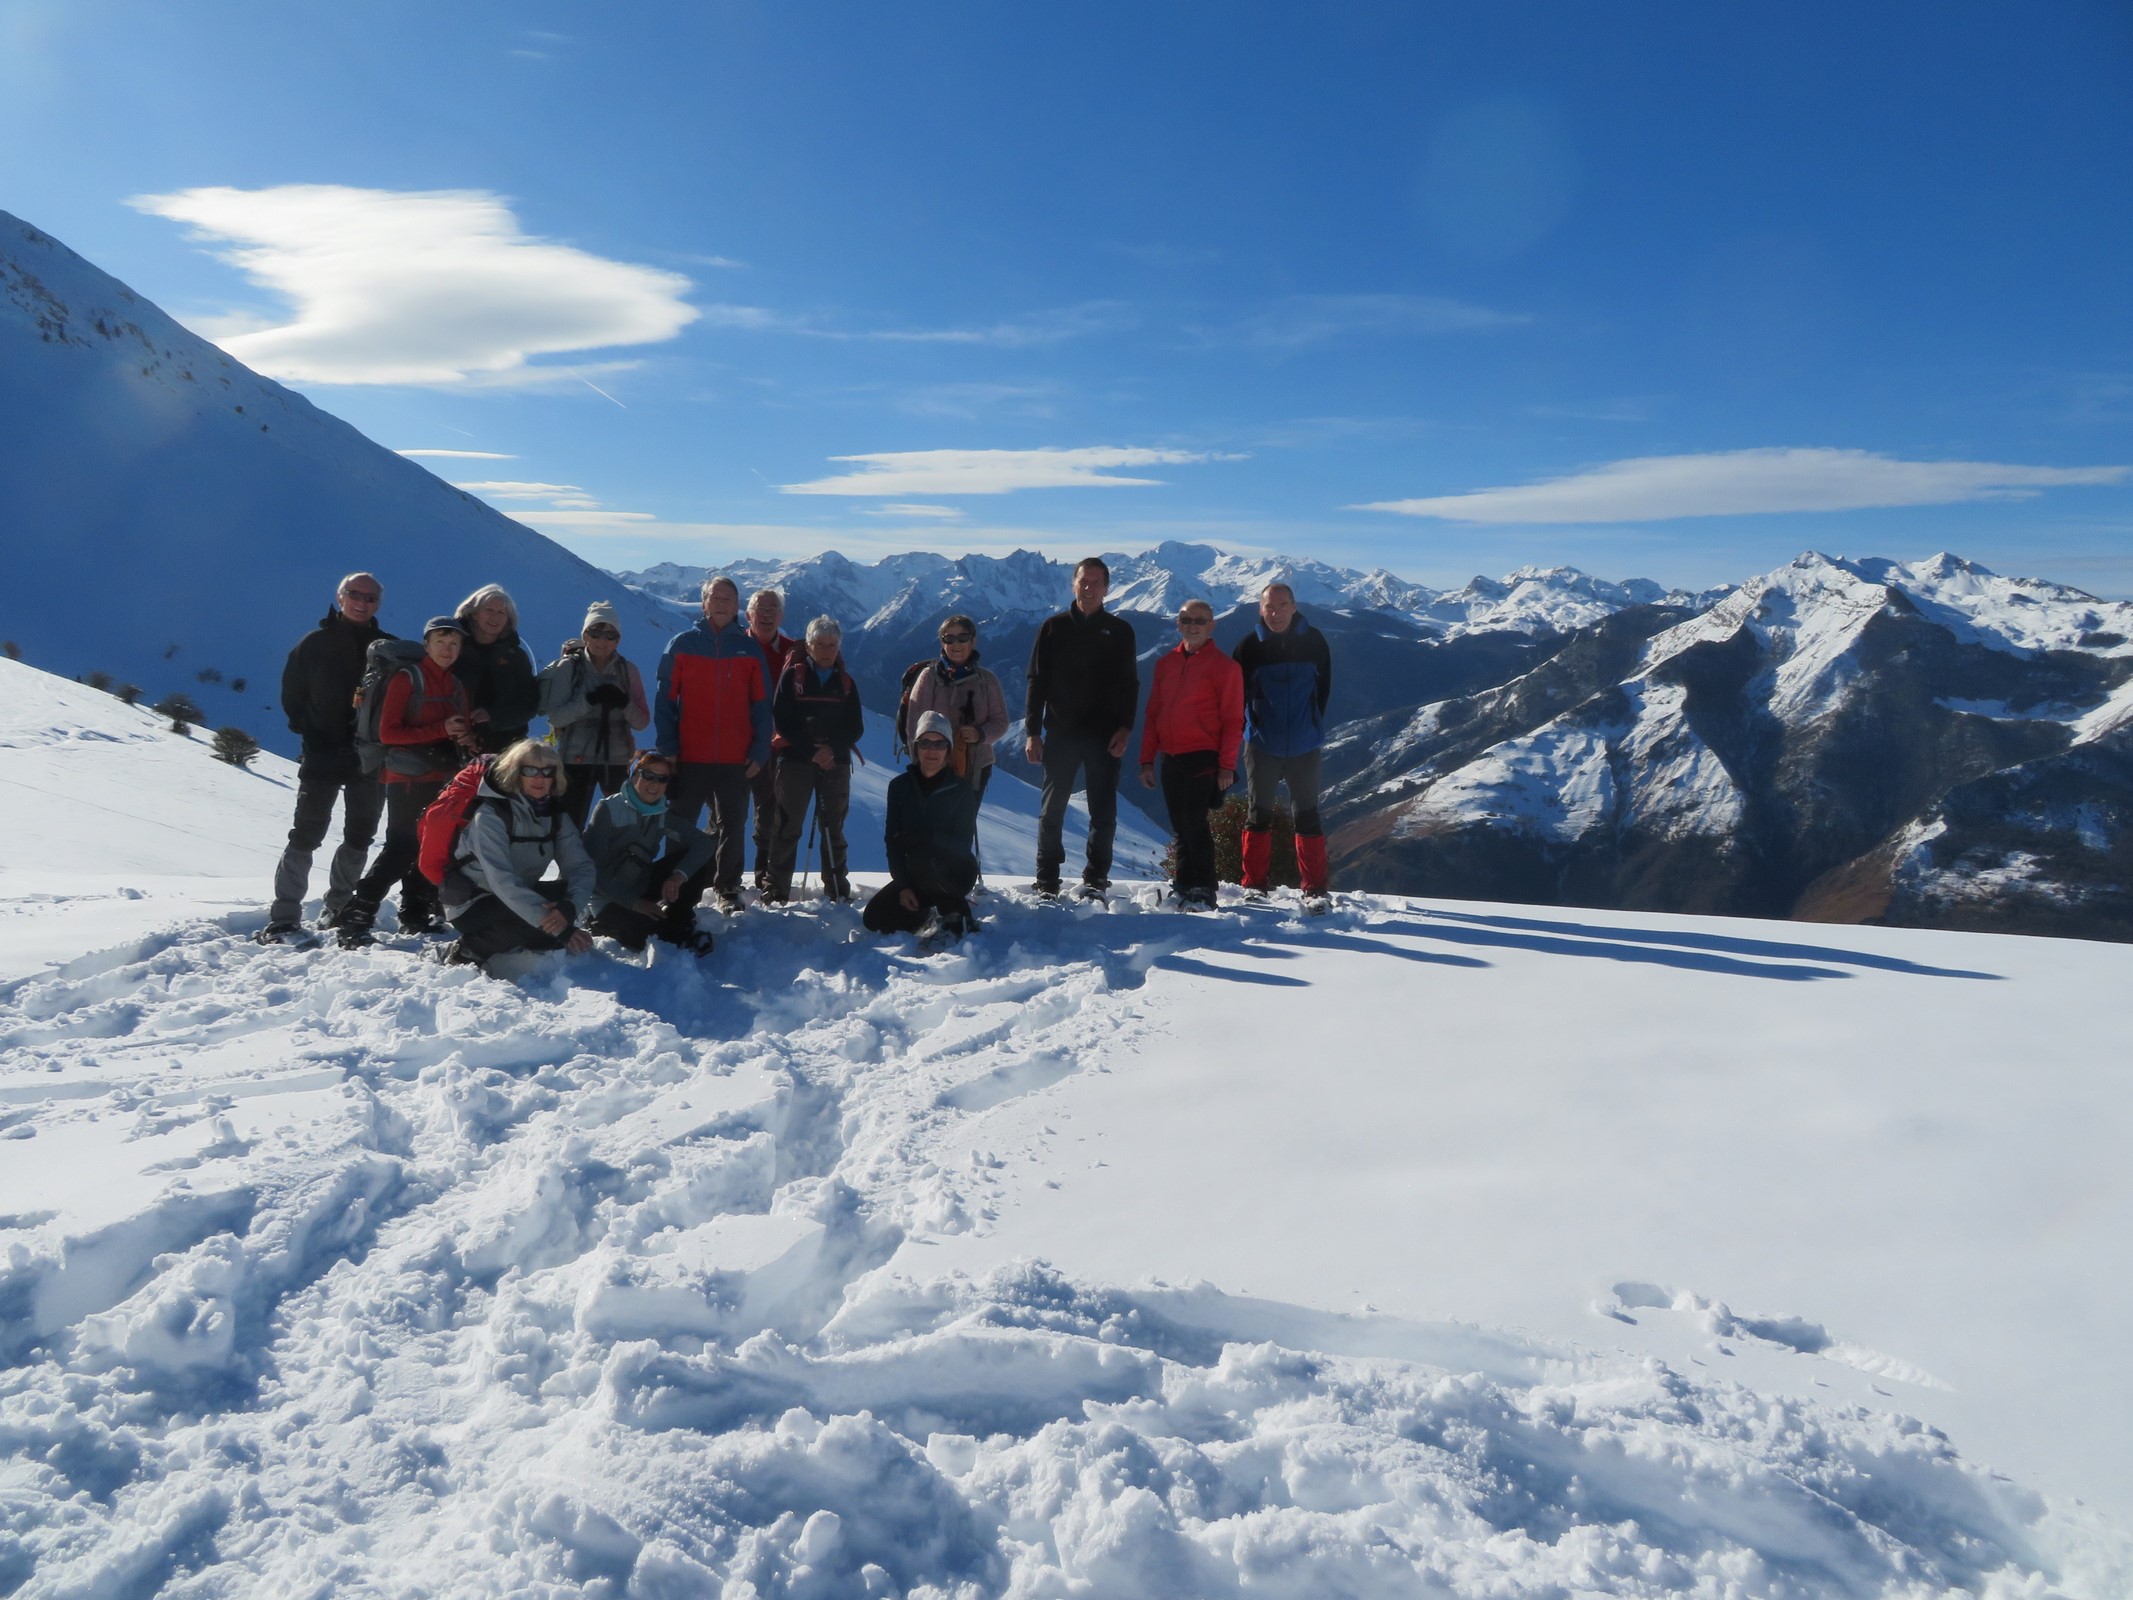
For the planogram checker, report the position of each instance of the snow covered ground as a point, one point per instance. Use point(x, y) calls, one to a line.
point(1424, 1249)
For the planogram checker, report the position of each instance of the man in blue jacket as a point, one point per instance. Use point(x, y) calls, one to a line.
point(1288, 675)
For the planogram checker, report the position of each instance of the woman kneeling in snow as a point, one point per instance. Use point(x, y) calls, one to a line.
point(516, 831)
point(932, 839)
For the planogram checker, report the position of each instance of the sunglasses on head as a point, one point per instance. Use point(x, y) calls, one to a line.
point(603, 631)
point(957, 638)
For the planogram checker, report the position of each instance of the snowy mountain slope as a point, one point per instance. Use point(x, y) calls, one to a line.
point(344, 1272)
point(1797, 724)
point(170, 513)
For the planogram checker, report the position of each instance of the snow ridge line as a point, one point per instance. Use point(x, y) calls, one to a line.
point(573, 1287)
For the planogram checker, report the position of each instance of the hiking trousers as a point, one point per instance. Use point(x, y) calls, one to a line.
point(362, 802)
point(1065, 756)
point(487, 927)
point(885, 913)
point(1264, 773)
point(1189, 792)
point(763, 793)
point(831, 791)
point(724, 786)
point(404, 805)
point(579, 783)
point(632, 929)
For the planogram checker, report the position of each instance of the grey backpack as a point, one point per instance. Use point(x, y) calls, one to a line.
point(385, 657)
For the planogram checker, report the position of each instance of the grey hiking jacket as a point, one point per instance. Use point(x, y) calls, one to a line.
point(625, 846)
point(588, 735)
point(505, 850)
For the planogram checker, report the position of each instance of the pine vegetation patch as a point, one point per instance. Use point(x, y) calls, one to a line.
point(235, 746)
point(182, 710)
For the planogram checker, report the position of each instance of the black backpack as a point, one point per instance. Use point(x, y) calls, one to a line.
point(384, 658)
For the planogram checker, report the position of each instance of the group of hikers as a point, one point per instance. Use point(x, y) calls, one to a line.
point(497, 834)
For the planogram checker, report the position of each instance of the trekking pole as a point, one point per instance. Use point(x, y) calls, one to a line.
point(814, 815)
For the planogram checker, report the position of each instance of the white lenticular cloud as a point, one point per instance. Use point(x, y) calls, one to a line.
point(1745, 482)
point(456, 455)
point(495, 490)
point(924, 472)
point(435, 288)
point(906, 509)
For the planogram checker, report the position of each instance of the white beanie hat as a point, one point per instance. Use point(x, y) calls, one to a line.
point(601, 611)
point(932, 722)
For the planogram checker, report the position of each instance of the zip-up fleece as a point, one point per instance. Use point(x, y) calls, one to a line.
point(1287, 679)
point(714, 701)
point(1084, 677)
point(812, 710)
point(587, 735)
point(1197, 704)
point(625, 844)
point(507, 849)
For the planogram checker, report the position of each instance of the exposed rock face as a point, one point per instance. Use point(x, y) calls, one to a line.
point(1840, 739)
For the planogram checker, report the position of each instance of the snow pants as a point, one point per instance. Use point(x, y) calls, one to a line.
point(362, 800)
point(725, 786)
point(1264, 773)
point(763, 793)
point(1065, 755)
point(579, 784)
point(631, 928)
point(488, 928)
point(885, 913)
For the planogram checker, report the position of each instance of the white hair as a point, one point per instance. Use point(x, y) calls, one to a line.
point(341, 588)
point(715, 580)
point(481, 597)
point(824, 627)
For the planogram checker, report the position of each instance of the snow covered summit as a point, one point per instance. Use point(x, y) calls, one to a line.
point(177, 521)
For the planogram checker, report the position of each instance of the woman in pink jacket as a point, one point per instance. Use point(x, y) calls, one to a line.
point(1195, 722)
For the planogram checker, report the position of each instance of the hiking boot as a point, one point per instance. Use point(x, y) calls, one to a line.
point(1045, 888)
point(728, 901)
point(1095, 889)
point(456, 954)
point(837, 887)
point(351, 929)
point(420, 919)
point(1197, 899)
point(699, 942)
point(279, 933)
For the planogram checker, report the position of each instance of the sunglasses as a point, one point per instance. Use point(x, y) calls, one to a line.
point(536, 772)
point(649, 775)
point(603, 632)
point(957, 638)
point(367, 597)
point(1196, 622)
point(932, 741)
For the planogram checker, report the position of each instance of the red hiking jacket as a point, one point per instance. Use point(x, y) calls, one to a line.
point(1197, 703)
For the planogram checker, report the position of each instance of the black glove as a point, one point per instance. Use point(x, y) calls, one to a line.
point(607, 694)
point(573, 648)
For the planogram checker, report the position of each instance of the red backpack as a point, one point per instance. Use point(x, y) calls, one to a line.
point(445, 818)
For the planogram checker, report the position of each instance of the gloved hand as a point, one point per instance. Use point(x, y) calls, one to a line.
point(607, 694)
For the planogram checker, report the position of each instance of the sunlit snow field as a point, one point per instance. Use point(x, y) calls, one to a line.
point(1426, 1248)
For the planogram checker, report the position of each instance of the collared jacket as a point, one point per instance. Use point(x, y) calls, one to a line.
point(1083, 678)
point(506, 849)
point(419, 701)
point(318, 692)
point(932, 832)
point(975, 700)
point(1197, 703)
point(587, 735)
point(813, 709)
point(714, 701)
point(775, 655)
point(632, 851)
point(1287, 679)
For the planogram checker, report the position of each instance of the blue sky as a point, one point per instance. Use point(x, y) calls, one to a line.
point(1657, 290)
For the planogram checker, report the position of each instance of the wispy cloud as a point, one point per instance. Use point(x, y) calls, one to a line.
point(565, 502)
point(972, 400)
point(1744, 482)
point(584, 519)
point(436, 288)
point(501, 490)
point(1053, 326)
point(1302, 321)
point(924, 472)
point(457, 455)
point(906, 509)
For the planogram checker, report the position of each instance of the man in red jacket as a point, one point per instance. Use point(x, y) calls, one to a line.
point(1195, 721)
point(713, 716)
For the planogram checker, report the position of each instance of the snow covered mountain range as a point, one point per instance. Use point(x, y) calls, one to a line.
point(176, 521)
point(1853, 740)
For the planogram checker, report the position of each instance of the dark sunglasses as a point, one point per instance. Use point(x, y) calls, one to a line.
point(652, 775)
point(1195, 622)
point(603, 631)
point(368, 597)
point(536, 772)
point(932, 741)
point(957, 638)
